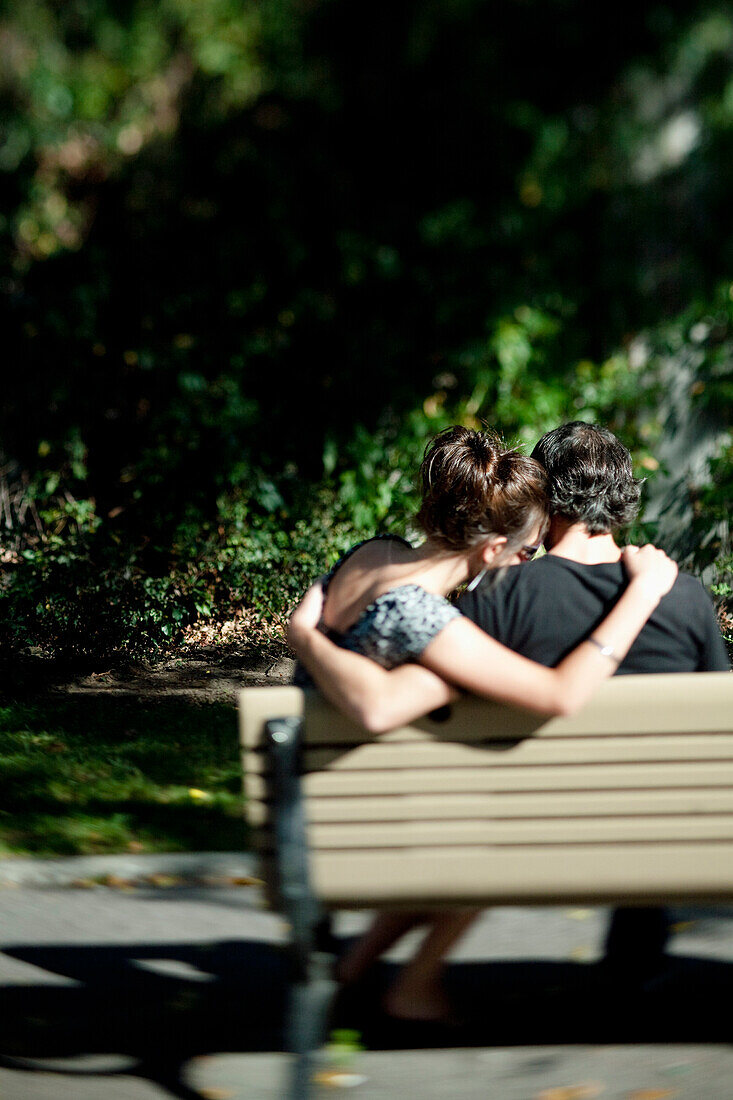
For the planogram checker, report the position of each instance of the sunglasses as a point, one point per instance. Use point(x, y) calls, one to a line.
point(526, 553)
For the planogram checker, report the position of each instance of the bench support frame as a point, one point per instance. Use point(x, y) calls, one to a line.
point(311, 986)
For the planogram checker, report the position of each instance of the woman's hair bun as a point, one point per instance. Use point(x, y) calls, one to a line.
point(473, 487)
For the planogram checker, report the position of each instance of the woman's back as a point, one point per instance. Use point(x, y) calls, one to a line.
point(365, 572)
point(375, 605)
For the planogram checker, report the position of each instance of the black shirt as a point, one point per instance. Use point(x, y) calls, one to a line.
point(545, 608)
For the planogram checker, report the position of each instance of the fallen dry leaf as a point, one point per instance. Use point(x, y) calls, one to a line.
point(338, 1079)
point(651, 1094)
point(160, 879)
point(585, 1091)
point(116, 882)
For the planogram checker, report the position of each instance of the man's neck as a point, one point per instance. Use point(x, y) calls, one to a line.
point(572, 541)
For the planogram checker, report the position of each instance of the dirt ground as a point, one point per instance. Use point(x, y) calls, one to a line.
point(205, 676)
point(202, 678)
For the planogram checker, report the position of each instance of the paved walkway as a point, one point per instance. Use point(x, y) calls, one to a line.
point(136, 992)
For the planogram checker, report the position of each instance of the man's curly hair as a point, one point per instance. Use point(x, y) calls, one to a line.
point(590, 477)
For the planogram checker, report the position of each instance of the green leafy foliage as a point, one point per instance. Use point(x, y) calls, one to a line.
point(250, 263)
point(60, 600)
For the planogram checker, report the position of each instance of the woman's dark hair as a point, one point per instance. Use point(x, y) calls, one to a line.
point(590, 477)
point(473, 487)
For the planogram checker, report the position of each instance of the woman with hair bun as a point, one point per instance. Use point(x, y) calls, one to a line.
point(483, 506)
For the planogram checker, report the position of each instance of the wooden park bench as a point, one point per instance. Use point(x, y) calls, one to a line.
point(629, 802)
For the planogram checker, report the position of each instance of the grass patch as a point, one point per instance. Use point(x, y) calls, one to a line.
point(82, 775)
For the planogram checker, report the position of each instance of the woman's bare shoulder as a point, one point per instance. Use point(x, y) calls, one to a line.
point(359, 576)
point(372, 553)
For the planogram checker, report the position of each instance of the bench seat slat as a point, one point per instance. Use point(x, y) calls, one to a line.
point(449, 807)
point(550, 875)
point(441, 755)
point(641, 777)
point(419, 834)
point(490, 741)
point(602, 750)
point(413, 835)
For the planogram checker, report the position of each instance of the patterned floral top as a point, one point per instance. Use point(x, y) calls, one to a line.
point(396, 627)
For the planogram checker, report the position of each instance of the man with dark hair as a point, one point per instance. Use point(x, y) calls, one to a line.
point(590, 476)
point(544, 608)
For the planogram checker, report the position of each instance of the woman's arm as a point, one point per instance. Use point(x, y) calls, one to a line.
point(467, 657)
point(370, 695)
point(463, 654)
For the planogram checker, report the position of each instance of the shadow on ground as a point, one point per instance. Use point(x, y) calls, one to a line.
point(147, 1011)
point(210, 674)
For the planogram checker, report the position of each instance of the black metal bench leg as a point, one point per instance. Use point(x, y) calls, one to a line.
point(635, 942)
point(311, 987)
point(306, 1025)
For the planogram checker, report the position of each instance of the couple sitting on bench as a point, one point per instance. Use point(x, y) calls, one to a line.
point(581, 612)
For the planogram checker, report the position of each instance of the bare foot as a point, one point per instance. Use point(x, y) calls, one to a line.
point(424, 1001)
point(418, 993)
point(387, 927)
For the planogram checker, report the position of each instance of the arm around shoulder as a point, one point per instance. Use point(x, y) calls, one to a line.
point(466, 656)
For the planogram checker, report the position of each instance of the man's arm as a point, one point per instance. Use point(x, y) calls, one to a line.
point(376, 698)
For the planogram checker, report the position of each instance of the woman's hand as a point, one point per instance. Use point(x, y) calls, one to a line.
point(306, 615)
point(650, 569)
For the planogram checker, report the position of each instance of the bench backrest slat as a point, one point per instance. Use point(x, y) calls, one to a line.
point(631, 799)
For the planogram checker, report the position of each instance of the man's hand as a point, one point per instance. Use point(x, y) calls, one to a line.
point(651, 569)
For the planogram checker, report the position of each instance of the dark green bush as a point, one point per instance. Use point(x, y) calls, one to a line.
point(250, 262)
